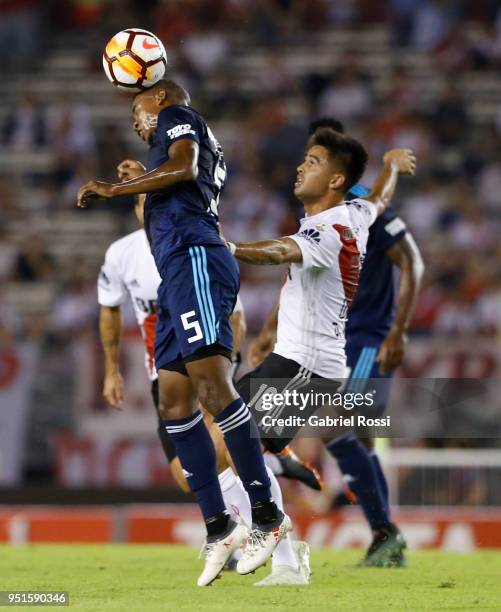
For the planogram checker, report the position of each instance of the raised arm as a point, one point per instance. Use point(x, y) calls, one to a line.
point(110, 331)
point(395, 162)
point(182, 166)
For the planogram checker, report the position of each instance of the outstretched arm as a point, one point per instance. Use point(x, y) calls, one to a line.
point(406, 256)
point(182, 166)
point(395, 162)
point(267, 252)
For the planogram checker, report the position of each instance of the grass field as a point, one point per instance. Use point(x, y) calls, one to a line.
point(148, 578)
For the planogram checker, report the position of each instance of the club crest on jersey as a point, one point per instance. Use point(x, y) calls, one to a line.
point(321, 227)
point(180, 130)
point(312, 235)
point(347, 234)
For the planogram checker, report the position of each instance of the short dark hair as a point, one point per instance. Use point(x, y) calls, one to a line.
point(347, 150)
point(326, 122)
point(176, 92)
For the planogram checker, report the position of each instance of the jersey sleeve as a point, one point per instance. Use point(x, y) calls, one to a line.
point(318, 248)
point(178, 123)
point(365, 210)
point(111, 290)
point(388, 230)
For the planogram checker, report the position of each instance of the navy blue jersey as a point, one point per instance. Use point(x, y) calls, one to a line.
point(373, 308)
point(186, 214)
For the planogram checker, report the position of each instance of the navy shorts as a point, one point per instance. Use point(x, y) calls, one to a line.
point(364, 373)
point(196, 298)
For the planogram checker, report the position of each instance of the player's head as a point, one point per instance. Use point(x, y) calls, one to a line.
point(333, 163)
point(148, 104)
point(325, 122)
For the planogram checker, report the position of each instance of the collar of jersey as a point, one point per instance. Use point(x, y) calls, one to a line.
point(324, 212)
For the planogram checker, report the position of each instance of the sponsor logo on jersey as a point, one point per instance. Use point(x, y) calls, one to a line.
point(395, 226)
point(310, 234)
point(180, 130)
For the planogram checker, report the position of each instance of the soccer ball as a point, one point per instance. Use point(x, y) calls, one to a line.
point(134, 60)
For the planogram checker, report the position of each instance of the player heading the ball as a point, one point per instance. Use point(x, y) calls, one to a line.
point(193, 344)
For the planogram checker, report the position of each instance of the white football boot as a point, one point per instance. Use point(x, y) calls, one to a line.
point(285, 575)
point(261, 543)
point(218, 551)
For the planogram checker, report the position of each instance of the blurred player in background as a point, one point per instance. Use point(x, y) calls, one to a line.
point(376, 335)
point(129, 271)
point(193, 339)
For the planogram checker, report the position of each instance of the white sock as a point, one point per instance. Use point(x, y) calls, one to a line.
point(283, 553)
point(273, 463)
point(235, 497)
point(238, 505)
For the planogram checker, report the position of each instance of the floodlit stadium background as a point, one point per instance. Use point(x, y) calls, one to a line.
point(409, 73)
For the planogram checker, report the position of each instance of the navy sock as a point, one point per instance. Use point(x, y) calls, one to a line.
point(197, 454)
point(167, 443)
point(358, 470)
point(381, 480)
point(238, 426)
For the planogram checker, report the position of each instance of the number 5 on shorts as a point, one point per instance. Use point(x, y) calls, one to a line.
point(195, 325)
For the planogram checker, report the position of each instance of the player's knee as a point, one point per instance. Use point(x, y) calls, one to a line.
point(214, 393)
point(169, 409)
point(208, 393)
point(176, 396)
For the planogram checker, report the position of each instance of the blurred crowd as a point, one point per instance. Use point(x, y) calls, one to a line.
point(452, 207)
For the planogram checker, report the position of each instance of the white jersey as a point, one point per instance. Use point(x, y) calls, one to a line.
point(129, 270)
point(318, 292)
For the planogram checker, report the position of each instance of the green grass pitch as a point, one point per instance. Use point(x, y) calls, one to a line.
point(152, 577)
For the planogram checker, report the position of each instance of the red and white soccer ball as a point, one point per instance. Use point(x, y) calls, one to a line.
point(134, 60)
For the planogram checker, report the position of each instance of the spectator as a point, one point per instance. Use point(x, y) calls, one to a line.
point(70, 129)
point(8, 254)
point(450, 118)
point(33, 263)
point(422, 209)
point(205, 49)
point(25, 126)
point(403, 13)
point(348, 96)
point(489, 184)
point(432, 23)
point(75, 307)
point(20, 34)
